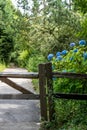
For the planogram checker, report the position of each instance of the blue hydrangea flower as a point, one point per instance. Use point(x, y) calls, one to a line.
point(54, 78)
point(72, 44)
point(64, 70)
point(75, 50)
point(85, 55)
point(58, 53)
point(53, 67)
point(71, 58)
point(59, 58)
point(82, 42)
point(64, 52)
point(50, 56)
point(72, 71)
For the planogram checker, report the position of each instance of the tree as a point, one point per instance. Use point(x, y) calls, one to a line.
point(6, 30)
point(52, 25)
point(60, 26)
point(80, 5)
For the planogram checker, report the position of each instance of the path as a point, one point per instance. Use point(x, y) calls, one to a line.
point(18, 114)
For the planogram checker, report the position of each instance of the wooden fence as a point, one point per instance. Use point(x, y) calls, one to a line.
point(51, 95)
point(25, 93)
point(46, 94)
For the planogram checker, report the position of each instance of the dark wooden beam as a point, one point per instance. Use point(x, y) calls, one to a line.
point(50, 91)
point(15, 86)
point(20, 96)
point(30, 75)
point(42, 89)
point(71, 96)
point(69, 75)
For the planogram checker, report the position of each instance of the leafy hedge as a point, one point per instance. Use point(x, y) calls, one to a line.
point(68, 112)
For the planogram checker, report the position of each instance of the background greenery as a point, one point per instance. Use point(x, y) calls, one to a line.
point(43, 27)
point(46, 26)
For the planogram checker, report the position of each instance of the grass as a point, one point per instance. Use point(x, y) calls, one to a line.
point(36, 85)
point(69, 115)
point(71, 126)
point(2, 67)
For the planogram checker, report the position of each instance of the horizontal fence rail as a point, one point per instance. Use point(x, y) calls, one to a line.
point(20, 96)
point(69, 75)
point(71, 96)
point(30, 75)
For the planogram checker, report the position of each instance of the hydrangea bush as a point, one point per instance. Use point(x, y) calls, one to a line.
point(73, 60)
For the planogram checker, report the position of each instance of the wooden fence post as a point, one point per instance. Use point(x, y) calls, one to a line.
point(50, 91)
point(42, 89)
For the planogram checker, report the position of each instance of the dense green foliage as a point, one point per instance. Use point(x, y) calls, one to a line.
point(46, 26)
point(6, 32)
point(72, 61)
point(70, 113)
point(43, 27)
point(80, 5)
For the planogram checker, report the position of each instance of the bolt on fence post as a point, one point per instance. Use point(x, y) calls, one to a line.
point(42, 89)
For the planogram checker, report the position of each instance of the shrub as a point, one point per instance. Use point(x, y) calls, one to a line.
point(23, 58)
point(2, 66)
point(74, 60)
point(32, 64)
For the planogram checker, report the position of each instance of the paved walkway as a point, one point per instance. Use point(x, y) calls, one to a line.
point(18, 114)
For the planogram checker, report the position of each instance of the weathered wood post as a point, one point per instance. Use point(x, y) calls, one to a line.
point(42, 89)
point(50, 91)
